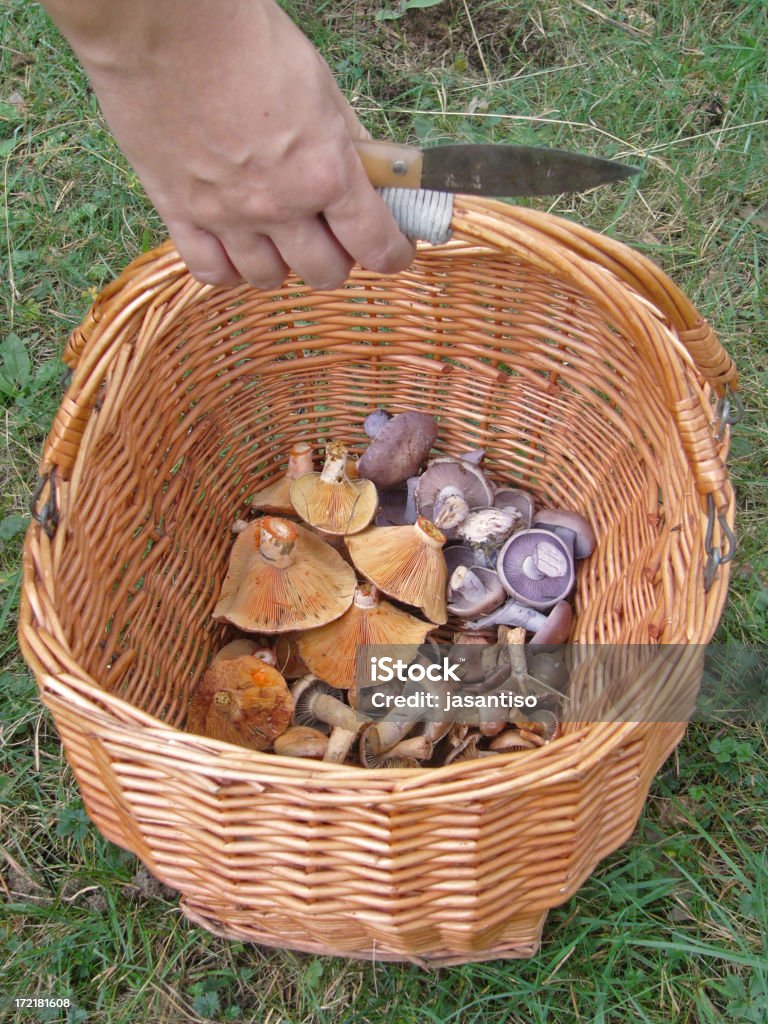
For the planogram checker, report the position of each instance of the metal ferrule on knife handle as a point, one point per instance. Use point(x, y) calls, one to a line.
point(390, 165)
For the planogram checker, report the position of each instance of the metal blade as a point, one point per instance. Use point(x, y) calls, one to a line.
point(493, 170)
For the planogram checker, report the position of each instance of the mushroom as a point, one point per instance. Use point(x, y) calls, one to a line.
point(275, 497)
point(404, 754)
point(536, 568)
point(375, 421)
point(330, 501)
point(236, 649)
point(448, 489)
point(542, 722)
point(550, 668)
point(571, 527)
point(282, 577)
point(458, 554)
point(554, 628)
point(390, 730)
point(301, 741)
point(474, 456)
point(405, 562)
point(287, 657)
point(331, 651)
point(467, 650)
point(241, 700)
point(508, 741)
point(465, 749)
point(397, 506)
point(317, 706)
point(515, 500)
point(400, 446)
point(474, 591)
point(485, 530)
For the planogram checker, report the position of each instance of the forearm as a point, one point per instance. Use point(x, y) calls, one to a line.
point(115, 35)
point(239, 134)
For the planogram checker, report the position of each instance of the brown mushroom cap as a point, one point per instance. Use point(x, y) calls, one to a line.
point(282, 578)
point(236, 649)
point(301, 741)
point(331, 651)
point(536, 568)
point(399, 448)
point(242, 701)
point(330, 501)
point(405, 562)
point(557, 627)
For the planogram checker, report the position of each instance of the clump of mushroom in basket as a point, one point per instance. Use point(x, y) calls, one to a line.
point(456, 575)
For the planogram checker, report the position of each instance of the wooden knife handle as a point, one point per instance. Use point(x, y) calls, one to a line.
point(390, 165)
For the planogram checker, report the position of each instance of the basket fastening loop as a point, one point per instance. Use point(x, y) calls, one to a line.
point(715, 556)
point(728, 412)
point(421, 214)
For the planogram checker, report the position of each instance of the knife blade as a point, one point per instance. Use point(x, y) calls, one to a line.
point(487, 169)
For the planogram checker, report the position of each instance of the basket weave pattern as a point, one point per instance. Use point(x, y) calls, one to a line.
point(587, 376)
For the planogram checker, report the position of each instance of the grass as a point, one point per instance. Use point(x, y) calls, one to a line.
point(673, 926)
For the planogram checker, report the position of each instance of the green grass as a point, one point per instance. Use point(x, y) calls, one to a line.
point(673, 926)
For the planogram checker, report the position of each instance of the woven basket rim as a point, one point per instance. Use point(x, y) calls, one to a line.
point(531, 232)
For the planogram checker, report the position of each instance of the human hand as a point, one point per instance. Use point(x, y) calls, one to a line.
point(240, 136)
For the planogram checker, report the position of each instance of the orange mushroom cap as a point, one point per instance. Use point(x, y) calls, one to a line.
point(330, 652)
point(331, 501)
point(283, 577)
point(406, 562)
point(242, 701)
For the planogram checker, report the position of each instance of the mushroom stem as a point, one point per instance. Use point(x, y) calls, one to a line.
point(435, 731)
point(450, 508)
point(388, 732)
point(299, 460)
point(334, 467)
point(367, 596)
point(334, 712)
point(465, 582)
point(418, 747)
point(429, 532)
point(375, 421)
point(511, 614)
point(411, 514)
point(277, 540)
point(339, 745)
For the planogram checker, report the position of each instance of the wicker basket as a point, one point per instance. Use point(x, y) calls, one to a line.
point(586, 374)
